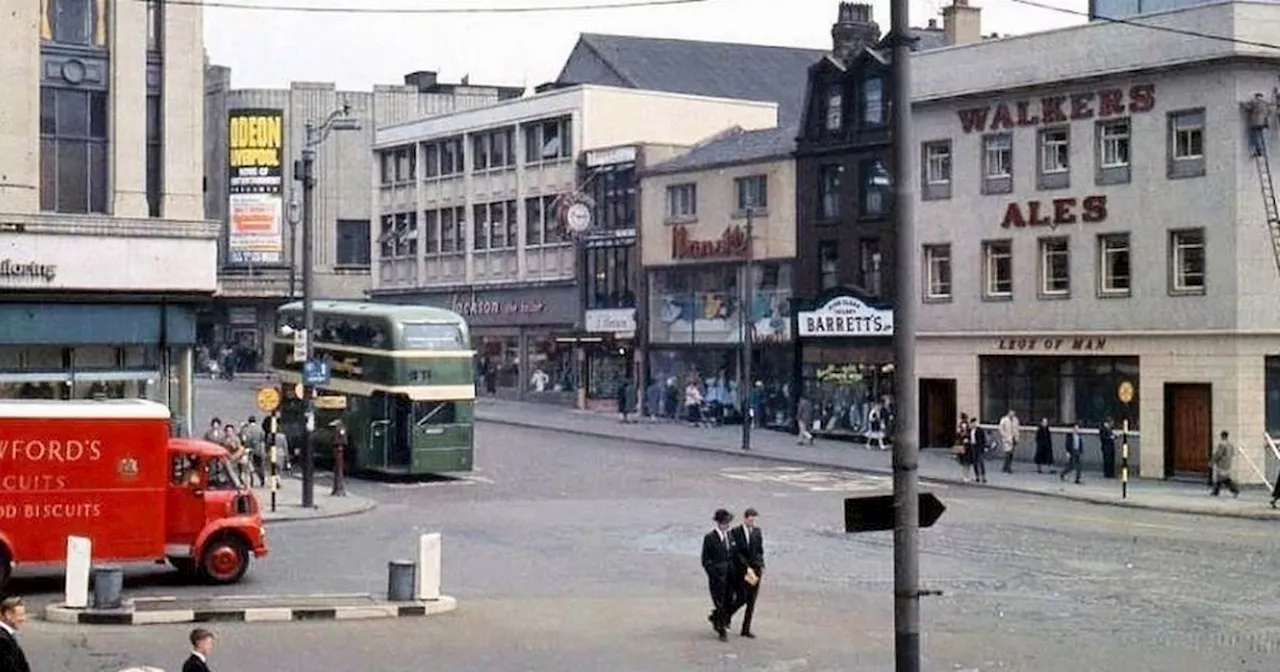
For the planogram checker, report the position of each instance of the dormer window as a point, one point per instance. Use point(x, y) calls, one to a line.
point(872, 100)
point(835, 107)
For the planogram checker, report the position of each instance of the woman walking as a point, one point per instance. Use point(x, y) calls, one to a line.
point(1044, 446)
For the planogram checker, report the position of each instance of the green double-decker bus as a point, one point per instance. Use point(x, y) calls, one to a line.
point(401, 380)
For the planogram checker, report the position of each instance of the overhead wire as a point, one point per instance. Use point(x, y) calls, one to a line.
point(531, 9)
point(1148, 26)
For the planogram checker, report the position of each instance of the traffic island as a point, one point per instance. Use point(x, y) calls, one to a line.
point(279, 608)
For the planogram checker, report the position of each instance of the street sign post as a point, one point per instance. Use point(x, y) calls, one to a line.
point(315, 373)
point(876, 513)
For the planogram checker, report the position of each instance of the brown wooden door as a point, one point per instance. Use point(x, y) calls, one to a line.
point(1189, 409)
point(937, 412)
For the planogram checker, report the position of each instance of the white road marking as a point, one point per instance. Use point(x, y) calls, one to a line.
point(813, 480)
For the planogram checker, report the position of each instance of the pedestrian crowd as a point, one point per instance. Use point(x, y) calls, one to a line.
point(974, 444)
point(253, 447)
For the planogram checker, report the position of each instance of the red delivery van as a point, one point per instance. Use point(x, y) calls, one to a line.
point(109, 471)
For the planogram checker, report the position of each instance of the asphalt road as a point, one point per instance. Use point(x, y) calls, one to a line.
point(567, 553)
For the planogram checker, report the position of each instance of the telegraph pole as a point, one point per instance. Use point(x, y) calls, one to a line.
point(308, 314)
point(745, 387)
point(906, 449)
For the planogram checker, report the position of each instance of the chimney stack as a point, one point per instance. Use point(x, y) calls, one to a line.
point(853, 31)
point(961, 23)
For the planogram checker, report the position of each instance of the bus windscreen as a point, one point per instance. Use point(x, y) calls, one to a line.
point(433, 337)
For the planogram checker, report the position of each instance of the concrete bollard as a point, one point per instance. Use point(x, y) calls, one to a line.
point(400, 576)
point(429, 566)
point(108, 585)
point(79, 557)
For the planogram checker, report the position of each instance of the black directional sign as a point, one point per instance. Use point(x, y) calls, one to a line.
point(875, 513)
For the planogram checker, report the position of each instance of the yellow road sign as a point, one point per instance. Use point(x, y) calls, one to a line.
point(268, 399)
point(1125, 392)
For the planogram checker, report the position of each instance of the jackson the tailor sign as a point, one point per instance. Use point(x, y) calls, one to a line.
point(255, 184)
point(846, 316)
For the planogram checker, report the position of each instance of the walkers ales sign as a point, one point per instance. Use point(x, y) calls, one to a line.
point(1055, 213)
point(1101, 104)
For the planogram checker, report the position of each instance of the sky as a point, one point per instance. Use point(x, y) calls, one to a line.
point(269, 49)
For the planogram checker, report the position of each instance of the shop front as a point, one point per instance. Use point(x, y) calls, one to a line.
point(1177, 392)
point(695, 332)
point(610, 351)
point(524, 338)
point(88, 317)
point(843, 363)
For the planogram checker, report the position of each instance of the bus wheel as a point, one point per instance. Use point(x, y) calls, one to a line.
point(225, 560)
point(186, 566)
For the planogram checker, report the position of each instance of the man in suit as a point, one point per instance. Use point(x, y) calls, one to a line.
point(748, 548)
point(13, 613)
point(717, 562)
point(201, 647)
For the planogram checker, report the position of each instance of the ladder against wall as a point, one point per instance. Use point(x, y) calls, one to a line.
point(1269, 202)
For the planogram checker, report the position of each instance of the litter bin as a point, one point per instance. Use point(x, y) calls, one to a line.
point(400, 580)
point(108, 584)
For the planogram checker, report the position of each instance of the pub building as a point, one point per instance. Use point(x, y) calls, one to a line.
point(1098, 247)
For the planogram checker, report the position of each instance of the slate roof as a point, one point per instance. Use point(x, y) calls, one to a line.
point(731, 147)
point(717, 69)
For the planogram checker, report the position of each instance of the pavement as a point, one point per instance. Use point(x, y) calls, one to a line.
point(289, 501)
point(935, 465)
point(582, 553)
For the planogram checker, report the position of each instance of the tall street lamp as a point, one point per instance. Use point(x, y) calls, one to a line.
point(746, 387)
point(303, 171)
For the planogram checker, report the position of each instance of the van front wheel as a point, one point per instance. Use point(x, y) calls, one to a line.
point(225, 560)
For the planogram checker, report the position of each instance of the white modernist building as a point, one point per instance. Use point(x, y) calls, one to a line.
point(1094, 236)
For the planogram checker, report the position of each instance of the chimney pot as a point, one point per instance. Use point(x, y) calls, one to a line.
point(854, 30)
point(961, 23)
point(933, 24)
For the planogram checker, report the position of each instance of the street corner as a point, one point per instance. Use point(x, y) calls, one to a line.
point(1195, 504)
point(328, 508)
point(256, 609)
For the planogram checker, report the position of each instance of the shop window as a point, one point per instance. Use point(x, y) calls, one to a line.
point(1114, 276)
point(1062, 389)
point(849, 398)
point(997, 269)
point(1186, 262)
point(73, 150)
point(552, 364)
point(937, 271)
point(694, 306)
point(1055, 267)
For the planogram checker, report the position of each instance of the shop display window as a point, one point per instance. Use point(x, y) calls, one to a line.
point(606, 369)
point(702, 305)
point(497, 362)
point(551, 364)
point(854, 399)
point(1062, 389)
